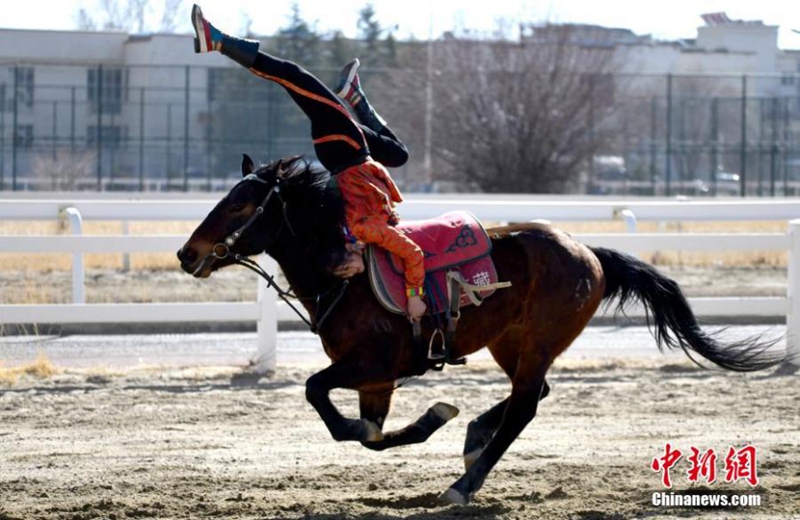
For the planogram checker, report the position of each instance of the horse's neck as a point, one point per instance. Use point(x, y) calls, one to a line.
point(300, 273)
point(302, 270)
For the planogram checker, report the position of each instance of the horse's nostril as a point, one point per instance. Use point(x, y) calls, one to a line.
point(187, 255)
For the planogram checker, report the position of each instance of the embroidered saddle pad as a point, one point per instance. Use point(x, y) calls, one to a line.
point(455, 241)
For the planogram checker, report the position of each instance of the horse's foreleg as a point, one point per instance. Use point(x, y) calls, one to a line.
point(375, 408)
point(342, 374)
point(520, 409)
point(481, 429)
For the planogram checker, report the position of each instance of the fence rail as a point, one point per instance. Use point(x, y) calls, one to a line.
point(266, 312)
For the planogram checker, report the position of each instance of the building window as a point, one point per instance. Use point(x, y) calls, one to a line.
point(23, 79)
point(111, 136)
point(105, 91)
point(23, 136)
point(787, 80)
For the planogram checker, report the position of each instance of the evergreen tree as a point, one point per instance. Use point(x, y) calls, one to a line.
point(390, 48)
point(298, 41)
point(369, 32)
point(341, 50)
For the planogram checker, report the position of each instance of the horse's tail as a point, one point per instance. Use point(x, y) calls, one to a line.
point(674, 325)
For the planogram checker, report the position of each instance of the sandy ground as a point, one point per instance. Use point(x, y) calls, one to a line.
point(189, 444)
point(236, 284)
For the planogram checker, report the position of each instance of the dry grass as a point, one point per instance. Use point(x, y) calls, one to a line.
point(40, 368)
point(62, 262)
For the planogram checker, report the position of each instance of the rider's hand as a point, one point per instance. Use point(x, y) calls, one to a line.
point(416, 308)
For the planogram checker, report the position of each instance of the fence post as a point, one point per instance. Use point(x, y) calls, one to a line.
point(78, 273)
point(267, 327)
point(630, 221)
point(126, 257)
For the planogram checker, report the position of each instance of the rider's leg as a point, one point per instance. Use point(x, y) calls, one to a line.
point(385, 147)
point(351, 92)
point(338, 139)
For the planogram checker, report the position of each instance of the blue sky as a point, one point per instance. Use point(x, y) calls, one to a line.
point(664, 19)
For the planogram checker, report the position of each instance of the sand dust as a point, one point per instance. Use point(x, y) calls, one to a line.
point(188, 444)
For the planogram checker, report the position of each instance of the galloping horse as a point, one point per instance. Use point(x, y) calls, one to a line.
point(289, 210)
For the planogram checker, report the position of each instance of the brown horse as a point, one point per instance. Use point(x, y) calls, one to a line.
point(292, 213)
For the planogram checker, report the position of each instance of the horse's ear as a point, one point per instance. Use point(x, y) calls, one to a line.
point(248, 166)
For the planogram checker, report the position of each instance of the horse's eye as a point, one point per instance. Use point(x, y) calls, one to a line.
point(236, 208)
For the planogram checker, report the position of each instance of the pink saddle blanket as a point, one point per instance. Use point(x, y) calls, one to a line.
point(455, 241)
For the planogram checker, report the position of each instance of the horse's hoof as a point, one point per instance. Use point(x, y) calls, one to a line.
point(453, 496)
point(373, 431)
point(445, 411)
point(471, 457)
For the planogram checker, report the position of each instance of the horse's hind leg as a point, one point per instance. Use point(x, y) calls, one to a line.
point(481, 429)
point(375, 407)
point(520, 409)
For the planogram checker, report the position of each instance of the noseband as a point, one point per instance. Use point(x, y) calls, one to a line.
point(222, 250)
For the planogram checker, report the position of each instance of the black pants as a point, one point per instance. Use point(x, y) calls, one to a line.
point(339, 141)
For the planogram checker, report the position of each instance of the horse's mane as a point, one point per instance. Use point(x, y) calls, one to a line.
point(314, 201)
point(304, 179)
point(296, 171)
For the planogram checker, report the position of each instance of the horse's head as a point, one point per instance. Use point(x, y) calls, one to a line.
point(283, 199)
point(244, 222)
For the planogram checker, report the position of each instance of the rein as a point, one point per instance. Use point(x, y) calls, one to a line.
point(222, 250)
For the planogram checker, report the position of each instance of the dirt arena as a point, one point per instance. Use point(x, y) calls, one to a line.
point(189, 444)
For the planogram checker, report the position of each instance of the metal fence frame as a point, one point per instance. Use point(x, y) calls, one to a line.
point(764, 155)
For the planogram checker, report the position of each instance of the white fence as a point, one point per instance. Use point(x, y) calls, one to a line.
point(266, 312)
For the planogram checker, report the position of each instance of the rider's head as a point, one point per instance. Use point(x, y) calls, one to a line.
point(346, 262)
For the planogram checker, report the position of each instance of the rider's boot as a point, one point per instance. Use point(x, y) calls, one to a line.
point(208, 38)
point(350, 91)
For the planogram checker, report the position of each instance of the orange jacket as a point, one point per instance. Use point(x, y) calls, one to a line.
point(368, 190)
point(369, 195)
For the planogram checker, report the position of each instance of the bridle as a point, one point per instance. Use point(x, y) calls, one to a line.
point(222, 250)
point(231, 239)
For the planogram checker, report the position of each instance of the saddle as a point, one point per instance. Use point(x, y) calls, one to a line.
point(459, 271)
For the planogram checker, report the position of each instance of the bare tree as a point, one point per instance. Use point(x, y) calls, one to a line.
point(512, 116)
point(63, 171)
point(133, 15)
